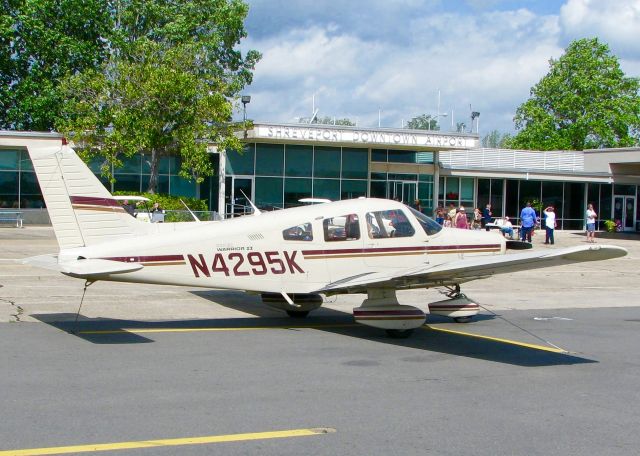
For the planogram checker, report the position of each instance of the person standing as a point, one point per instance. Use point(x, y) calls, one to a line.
point(477, 218)
point(591, 223)
point(549, 224)
point(528, 220)
point(486, 216)
point(460, 220)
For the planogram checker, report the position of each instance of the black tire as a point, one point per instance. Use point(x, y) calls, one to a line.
point(297, 313)
point(399, 333)
point(462, 319)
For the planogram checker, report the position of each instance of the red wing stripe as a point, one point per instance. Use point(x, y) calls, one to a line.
point(94, 201)
point(147, 259)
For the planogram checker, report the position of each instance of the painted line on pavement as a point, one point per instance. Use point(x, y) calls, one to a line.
point(497, 339)
point(167, 442)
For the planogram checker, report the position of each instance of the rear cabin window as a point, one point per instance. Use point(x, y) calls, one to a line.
point(342, 228)
point(387, 224)
point(302, 232)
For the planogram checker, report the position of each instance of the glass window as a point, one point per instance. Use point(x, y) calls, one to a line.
point(269, 192)
point(294, 190)
point(378, 189)
point(343, 228)
point(574, 204)
point(29, 184)
point(452, 191)
point(269, 159)
point(127, 182)
point(326, 188)
point(353, 189)
point(511, 205)
point(484, 192)
point(129, 165)
point(403, 177)
point(302, 232)
point(181, 186)
point(379, 176)
point(429, 225)
point(240, 162)
point(605, 202)
point(355, 163)
point(387, 224)
point(326, 162)
point(496, 197)
point(402, 156)
point(298, 161)
point(165, 164)
point(25, 161)
point(552, 196)
point(529, 191)
point(8, 182)
point(163, 183)
point(379, 155)
point(9, 159)
point(424, 157)
point(619, 189)
point(466, 188)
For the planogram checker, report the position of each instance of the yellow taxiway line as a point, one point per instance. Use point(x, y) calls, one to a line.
point(349, 325)
point(497, 339)
point(167, 442)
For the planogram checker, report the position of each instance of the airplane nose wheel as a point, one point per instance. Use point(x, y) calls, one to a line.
point(462, 319)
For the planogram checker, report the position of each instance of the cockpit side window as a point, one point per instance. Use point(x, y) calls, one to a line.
point(386, 224)
point(301, 232)
point(342, 228)
point(429, 225)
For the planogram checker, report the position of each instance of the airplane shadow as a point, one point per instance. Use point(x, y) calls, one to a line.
point(117, 331)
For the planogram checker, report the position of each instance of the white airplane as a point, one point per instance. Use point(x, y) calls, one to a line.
point(291, 257)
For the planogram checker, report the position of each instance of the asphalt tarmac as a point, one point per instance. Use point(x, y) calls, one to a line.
point(149, 370)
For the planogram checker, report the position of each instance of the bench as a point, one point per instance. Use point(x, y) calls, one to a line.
point(11, 216)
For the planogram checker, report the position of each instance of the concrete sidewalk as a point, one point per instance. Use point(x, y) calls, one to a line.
point(31, 294)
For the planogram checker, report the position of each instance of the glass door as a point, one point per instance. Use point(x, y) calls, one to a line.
point(238, 190)
point(624, 210)
point(404, 191)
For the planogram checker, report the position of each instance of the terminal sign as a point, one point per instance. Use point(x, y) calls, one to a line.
point(354, 136)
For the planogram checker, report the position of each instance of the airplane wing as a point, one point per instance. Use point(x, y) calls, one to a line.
point(84, 268)
point(460, 271)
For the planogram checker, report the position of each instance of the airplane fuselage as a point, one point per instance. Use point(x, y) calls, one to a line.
point(297, 250)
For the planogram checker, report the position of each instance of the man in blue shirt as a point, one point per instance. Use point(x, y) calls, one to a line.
point(528, 220)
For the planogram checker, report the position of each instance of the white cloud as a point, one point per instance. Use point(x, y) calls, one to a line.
point(614, 22)
point(488, 59)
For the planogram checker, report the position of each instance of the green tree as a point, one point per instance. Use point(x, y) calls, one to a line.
point(326, 120)
point(41, 43)
point(585, 101)
point(168, 88)
point(423, 122)
point(496, 140)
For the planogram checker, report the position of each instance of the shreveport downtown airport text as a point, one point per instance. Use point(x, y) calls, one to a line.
point(362, 137)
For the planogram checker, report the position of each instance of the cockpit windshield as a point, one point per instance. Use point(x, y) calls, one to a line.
point(429, 225)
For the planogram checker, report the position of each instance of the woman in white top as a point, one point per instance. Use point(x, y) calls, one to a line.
point(591, 223)
point(549, 224)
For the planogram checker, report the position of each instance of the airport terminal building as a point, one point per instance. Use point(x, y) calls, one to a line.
point(282, 163)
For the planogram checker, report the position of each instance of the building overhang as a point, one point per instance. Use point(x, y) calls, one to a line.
point(345, 136)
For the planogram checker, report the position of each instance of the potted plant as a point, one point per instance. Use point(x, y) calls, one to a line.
point(609, 225)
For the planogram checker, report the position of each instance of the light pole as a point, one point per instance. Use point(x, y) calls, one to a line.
point(246, 99)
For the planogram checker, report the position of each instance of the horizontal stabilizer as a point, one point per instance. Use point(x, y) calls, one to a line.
point(92, 268)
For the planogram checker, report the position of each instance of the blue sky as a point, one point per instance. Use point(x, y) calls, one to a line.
point(360, 57)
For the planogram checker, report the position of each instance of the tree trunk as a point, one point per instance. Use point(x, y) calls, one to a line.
point(153, 179)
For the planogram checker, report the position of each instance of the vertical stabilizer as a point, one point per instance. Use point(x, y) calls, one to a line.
point(82, 211)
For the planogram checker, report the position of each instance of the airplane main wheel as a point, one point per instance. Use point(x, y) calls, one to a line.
point(399, 333)
point(462, 319)
point(297, 313)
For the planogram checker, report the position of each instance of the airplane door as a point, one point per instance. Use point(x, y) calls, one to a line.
point(391, 242)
